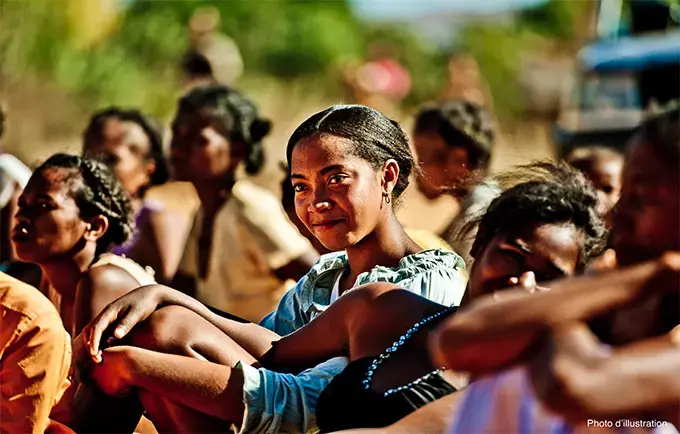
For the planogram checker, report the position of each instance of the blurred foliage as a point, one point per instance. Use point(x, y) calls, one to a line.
point(134, 61)
point(497, 48)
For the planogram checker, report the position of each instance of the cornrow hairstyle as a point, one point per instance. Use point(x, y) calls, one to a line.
point(233, 115)
point(97, 191)
point(95, 128)
point(566, 198)
point(461, 123)
point(372, 137)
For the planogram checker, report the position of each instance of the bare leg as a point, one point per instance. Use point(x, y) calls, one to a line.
point(176, 330)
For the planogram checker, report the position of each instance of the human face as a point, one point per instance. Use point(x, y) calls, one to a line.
point(443, 167)
point(338, 197)
point(645, 221)
point(550, 251)
point(199, 152)
point(123, 146)
point(48, 223)
point(605, 175)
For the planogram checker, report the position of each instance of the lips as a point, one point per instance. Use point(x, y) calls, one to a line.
point(327, 224)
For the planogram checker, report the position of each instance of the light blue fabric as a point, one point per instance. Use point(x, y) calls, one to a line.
point(287, 403)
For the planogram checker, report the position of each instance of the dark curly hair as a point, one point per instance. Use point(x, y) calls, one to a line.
point(93, 134)
point(461, 124)
point(233, 115)
point(567, 198)
point(373, 138)
point(97, 191)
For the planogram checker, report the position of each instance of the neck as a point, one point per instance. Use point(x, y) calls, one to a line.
point(214, 192)
point(64, 275)
point(386, 246)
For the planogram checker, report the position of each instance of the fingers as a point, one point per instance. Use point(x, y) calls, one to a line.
point(528, 281)
point(97, 329)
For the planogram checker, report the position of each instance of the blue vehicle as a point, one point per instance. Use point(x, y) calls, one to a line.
point(617, 80)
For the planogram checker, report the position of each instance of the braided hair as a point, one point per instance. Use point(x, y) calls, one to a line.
point(233, 115)
point(566, 198)
point(97, 191)
point(461, 123)
point(94, 130)
point(372, 136)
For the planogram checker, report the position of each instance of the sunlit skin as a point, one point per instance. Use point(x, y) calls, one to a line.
point(443, 167)
point(48, 223)
point(550, 251)
point(338, 197)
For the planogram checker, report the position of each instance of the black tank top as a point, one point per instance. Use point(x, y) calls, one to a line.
point(349, 401)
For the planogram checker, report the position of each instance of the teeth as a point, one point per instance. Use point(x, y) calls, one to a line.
point(24, 231)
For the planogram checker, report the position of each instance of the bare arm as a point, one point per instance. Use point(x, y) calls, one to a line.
point(577, 377)
point(329, 334)
point(493, 334)
point(123, 314)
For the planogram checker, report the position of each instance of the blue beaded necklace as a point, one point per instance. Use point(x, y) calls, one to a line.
point(391, 350)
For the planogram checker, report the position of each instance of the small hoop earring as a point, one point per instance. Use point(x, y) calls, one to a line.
point(387, 197)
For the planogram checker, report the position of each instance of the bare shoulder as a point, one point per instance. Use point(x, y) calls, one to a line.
point(108, 278)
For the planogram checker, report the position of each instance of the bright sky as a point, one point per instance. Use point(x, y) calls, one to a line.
point(397, 9)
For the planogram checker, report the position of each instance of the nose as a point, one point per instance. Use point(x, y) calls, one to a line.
point(320, 201)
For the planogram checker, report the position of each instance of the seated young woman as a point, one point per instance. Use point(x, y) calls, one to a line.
point(71, 212)
point(349, 166)
point(555, 232)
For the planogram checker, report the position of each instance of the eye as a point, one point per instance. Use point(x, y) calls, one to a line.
point(515, 256)
point(299, 188)
point(336, 179)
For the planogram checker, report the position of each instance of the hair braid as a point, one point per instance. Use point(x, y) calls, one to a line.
point(98, 193)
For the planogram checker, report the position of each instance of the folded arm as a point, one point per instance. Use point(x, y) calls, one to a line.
point(577, 376)
point(329, 334)
point(492, 334)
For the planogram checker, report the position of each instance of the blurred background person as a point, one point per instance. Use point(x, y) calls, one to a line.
point(131, 145)
point(454, 141)
point(465, 82)
point(604, 168)
point(242, 249)
point(212, 55)
point(14, 176)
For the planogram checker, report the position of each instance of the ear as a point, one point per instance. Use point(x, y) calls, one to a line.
point(150, 168)
point(390, 176)
point(96, 228)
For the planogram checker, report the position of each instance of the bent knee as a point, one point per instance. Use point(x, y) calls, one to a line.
point(166, 330)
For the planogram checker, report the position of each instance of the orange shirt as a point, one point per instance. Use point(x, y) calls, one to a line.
point(35, 357)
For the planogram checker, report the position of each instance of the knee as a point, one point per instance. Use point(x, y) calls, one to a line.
point(166, 330)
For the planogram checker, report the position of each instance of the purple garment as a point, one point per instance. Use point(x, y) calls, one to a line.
point(149, 207)
point(504, 403)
